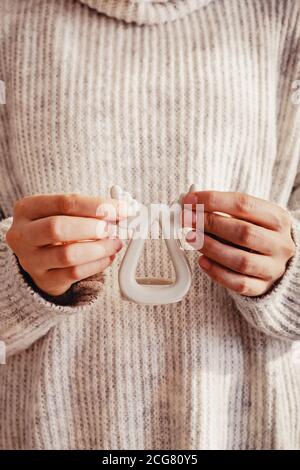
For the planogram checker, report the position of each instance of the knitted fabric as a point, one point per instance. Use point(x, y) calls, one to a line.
point(152, 97)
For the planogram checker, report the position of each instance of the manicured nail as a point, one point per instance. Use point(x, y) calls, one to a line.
point(190, 237)
point(204, 263)
point(190, 198)
point(194, 188)
point(118, 244)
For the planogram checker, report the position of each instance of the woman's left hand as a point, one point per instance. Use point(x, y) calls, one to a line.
point(248, 251)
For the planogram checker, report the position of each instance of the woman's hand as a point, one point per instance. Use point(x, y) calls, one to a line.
point(248, 251)
point(61, 239)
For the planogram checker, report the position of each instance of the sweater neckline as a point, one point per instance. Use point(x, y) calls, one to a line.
point(146, 12)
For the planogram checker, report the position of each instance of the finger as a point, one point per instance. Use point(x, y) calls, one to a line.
point(191, 218)
point(58, 281)
point(62, 228)
point(237, 260)
point(244, 285)
point(238, 232)
point(242, 206)
point(39, 206)
point(74, 254)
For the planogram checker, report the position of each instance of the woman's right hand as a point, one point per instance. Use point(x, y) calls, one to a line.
point(60, 239)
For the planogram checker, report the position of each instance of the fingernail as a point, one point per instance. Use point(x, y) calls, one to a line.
point(204, 263)
point(190, 237)
point(190, 198)
point(118, 244)
point(194, 188)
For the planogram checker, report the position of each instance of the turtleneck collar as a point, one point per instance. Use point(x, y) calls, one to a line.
point(146, 11)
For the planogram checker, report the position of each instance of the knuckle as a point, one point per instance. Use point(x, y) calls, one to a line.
point(210, 221)
point(282, 219)
point(212, 198)
point(278, 222)
point(55, 228)
point(243, 287)
point(244, 264)
point(68, 255)
point(75, 273)
point(67, 203)
point(245, 234)
point(245, 203)
point(269, 274)
point(289, 250)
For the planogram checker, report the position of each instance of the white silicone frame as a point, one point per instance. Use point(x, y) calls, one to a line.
point(154, 291)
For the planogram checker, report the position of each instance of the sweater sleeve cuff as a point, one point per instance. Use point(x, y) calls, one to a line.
point(277, 313)
point(25, 313)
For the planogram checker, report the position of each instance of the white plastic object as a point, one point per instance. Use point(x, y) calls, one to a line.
point(117, 193)
point(152, 291)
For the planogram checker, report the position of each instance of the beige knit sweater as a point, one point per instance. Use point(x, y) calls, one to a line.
point(152, 96)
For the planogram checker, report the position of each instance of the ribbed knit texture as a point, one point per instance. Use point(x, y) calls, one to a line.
point(146, 11)
point(195, 92)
